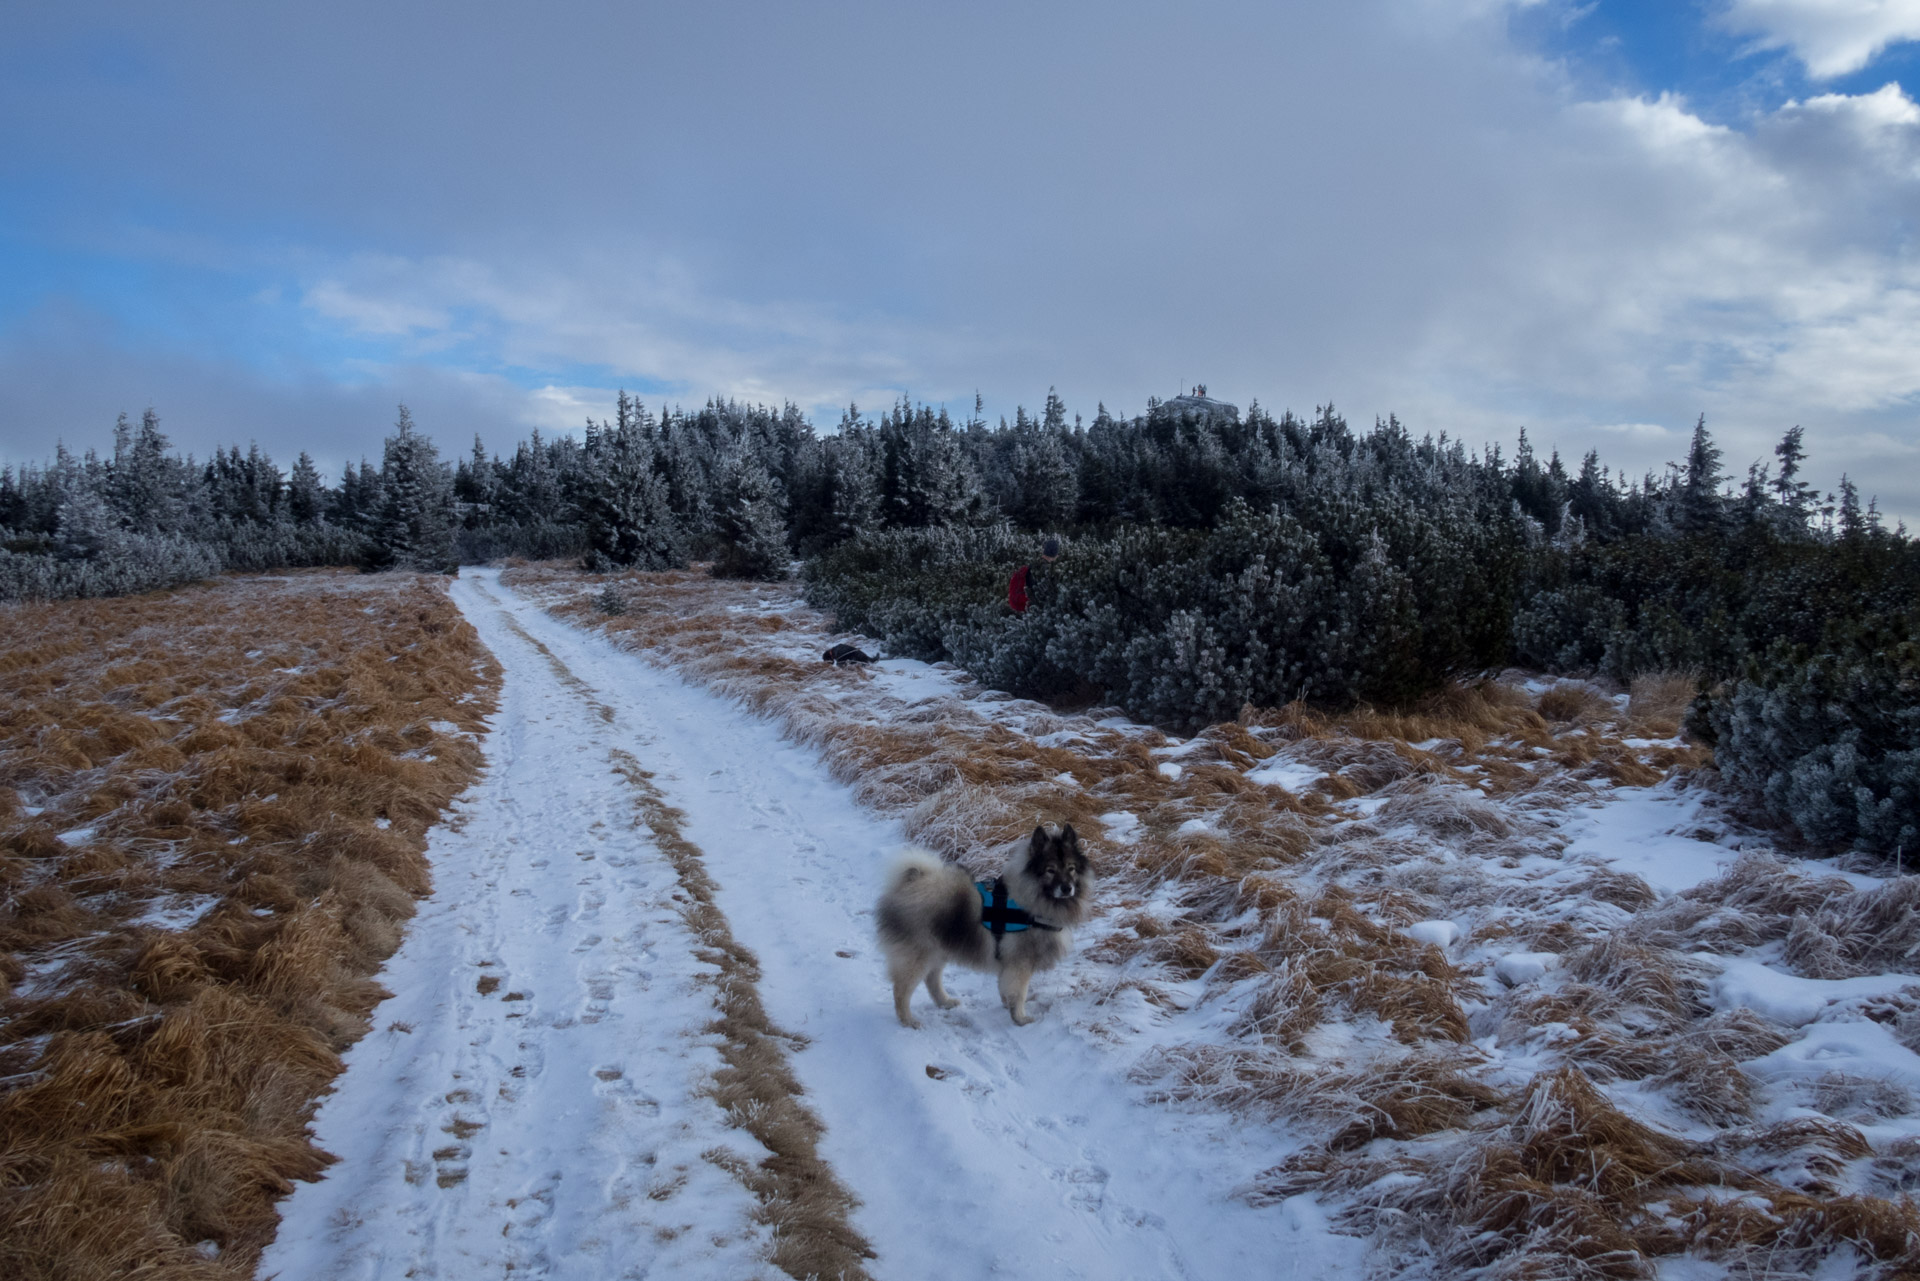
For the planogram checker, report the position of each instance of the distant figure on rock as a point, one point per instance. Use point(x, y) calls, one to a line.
point(1033, 584)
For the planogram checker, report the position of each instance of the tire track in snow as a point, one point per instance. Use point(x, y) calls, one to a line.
point(800, 1198)
point(539, 1097)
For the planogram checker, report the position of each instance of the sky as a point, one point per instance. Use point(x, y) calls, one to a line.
point(1594, 221)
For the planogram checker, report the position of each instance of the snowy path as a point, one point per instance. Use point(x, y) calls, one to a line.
point(978, 1148)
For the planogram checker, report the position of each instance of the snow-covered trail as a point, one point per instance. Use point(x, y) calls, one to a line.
point(977, 1148)
point(528, 1101)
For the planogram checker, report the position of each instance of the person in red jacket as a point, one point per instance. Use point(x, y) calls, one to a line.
point(1029, 584)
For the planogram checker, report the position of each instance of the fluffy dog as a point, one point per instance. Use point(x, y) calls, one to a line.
point(933, 912)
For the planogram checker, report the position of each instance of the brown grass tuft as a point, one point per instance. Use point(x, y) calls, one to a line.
point(1659, 701)
point(1575, 702)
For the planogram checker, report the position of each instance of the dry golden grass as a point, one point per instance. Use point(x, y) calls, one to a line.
point(213, 805)
point(1576, 702)
point(1290, 908)
point(1569, 1186)
point(1660, 701)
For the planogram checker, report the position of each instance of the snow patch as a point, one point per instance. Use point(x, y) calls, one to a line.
point(1862, 1049)
point(1516, 968)
point(1636, 829)
point(1292, 775)
point(1744, 983)
point(1439, 933)
point(177, 913)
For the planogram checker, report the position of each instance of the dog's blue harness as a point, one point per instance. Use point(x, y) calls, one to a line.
point(1000, 915)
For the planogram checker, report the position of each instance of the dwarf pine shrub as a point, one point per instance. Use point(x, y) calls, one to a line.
point(1378, 601)
point(1828, 737)
point(123, 566)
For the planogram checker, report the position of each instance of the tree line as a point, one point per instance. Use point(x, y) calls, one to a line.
point(1214, 558)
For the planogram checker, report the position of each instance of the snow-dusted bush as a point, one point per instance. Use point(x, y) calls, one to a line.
point(1704, 601)
point(88, 553)
point(282, 544)
point(128, 564)
point(535, 540)
point(1829, 737)
point(1348, 600)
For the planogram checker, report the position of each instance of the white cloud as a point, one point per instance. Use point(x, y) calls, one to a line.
point(566, 409)
point(1385, 203)
point(366, 313)
point(1832, 37)
point(641, 317)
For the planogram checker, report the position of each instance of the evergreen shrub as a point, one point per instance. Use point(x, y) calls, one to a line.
point(1651, 602)
point(128, 564)
point(1377, 601)
point(1828, 736)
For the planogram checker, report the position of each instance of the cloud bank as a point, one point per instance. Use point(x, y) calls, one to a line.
point(1389, 204)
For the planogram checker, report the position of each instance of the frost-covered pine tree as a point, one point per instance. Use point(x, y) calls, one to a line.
point(1700, 508)
point(415, 528)
point(1046, 485)
point(750, 522)
point(474, 484)
point(928, 481)
point(242, 487)
point(624, 499)
point(853, 467)
point(1795, 497)
point(147, 487)
point(87, 526)
point(306, 492)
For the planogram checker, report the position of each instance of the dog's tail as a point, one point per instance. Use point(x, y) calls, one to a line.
point(911, 866)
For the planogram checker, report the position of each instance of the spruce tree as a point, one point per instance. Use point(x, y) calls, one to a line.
point(1700, 507)
point(629, 520)
point(853, 466)
point(415, 526)
point(750, 523)
point(147, 487)
point(1045, 483)
point(306, 493)
point(1852, 523)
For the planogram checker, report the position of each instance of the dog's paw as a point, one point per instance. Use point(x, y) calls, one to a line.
point(909, 1021)
point(1023, 1019)
point(949, 1003)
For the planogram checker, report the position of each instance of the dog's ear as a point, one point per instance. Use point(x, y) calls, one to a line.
point(1038, 845)
point(1071, 839)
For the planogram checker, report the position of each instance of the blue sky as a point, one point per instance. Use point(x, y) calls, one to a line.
point(1727, 71)
point(1595, 221)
